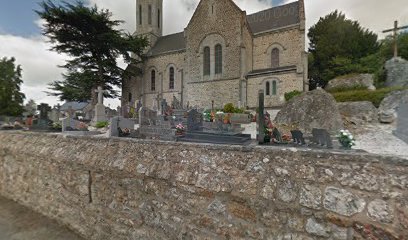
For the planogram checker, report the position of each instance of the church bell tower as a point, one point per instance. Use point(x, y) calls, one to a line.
point(149, 19)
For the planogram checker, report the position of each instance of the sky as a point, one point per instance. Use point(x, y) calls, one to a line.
point(20, 32)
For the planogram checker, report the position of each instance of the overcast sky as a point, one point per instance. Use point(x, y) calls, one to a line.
point(20, 35)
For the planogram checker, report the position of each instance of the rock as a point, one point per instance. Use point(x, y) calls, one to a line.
point(339, 233)
point(342, 202)
point(397, 72)
point(216, 207)
point(310, 197)
point(315, 109)
point(352, 80)
point(359, 112)
point(287, 191)
point(388, 108)
point(380, 211)
point(316, 228)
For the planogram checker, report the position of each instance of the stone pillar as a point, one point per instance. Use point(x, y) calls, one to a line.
point(261, 118)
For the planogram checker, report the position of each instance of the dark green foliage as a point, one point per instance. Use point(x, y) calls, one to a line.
point(229, 108)
point(102, 124)
point(290, 95)
point(336, 46)
point(364, 95)
point(91, 39)
point(11, 97)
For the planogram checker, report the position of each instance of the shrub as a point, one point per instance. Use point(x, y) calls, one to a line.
point(346, 89)
point(375, 97)
point(101, 124)
point(290, 95)
point(229, 108)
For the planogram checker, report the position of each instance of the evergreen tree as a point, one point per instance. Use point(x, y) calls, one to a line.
point(30, 108)
point(11, 97)
point(336, 46)
point(91, 39)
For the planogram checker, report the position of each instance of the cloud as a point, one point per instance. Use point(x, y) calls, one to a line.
point(38, 63)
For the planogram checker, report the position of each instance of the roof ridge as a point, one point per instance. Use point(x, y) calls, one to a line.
point(273, 7)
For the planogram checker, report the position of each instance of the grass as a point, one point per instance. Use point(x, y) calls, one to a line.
point(375, 96)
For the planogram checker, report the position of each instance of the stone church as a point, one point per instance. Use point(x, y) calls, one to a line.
point(222, 56)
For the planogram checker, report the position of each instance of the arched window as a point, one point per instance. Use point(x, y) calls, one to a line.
point(140, 14)
point(207, 64)
point(267, 88)
point(150, 14)
point(171, 78)
point(153, 81)
point(274, 88)
point(218, 59)
point(275, 58)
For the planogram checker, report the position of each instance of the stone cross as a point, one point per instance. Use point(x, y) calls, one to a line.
point(261, 117)
point(395, 30)
point(100, 92)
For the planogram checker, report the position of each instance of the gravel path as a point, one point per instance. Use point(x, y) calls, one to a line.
point(20, 223)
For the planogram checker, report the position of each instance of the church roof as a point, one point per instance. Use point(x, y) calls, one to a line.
point(274, 18)
point(170, 43)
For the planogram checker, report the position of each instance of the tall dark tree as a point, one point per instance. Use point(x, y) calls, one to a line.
point(11, 97)
point(336, 46)
point(93, 42)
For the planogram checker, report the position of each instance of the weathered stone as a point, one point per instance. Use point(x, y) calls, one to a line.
point(380, 211)
point(339, 233)
point(217, 207)
point(310, 197)
point(315, 109)
point(350, 81)
point(287, 191)
point(342, 202)
point(397, 72)
point(359, 112)
point(388, 107)
point(317, 229)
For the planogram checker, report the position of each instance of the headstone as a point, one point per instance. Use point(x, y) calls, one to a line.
point(240, 118)
point(44, 109)
point(100, 114)
point(70, 124)
point(322, 137)
point(194, 120)
point(119, 124)
point(276, 135)
point(176, 104)
point(55, 114)
point(42, 122)
point(261, 118)
point(297, 137)
point(163, 106)
point(402, 123)
point(147, 117)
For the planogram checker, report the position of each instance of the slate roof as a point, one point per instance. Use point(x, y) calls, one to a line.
point(169, 43)
point(271, 70)
point(266, 20)
point(274, 18)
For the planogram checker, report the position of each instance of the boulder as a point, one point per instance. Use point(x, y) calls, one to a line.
point(315, 109)
point(388, 108)
point(359, 112)
point(352, 80)
point(397, 72)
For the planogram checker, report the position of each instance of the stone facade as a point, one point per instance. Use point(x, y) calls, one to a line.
point(246, 56)
point(140, 189)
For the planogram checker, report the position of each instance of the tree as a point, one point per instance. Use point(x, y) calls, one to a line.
point(336, 46)
point(91, 39)
point(30, 108)
point(11, 97)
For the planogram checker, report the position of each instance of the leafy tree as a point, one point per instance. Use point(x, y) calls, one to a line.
point(11, 97)
point(31, 107)
point(91, 39)
point(336, 46)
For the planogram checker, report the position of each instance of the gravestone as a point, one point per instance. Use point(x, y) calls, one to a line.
point(55, 113)
point(70, 124)
point(43, 122)
point(100, 114)
point(147, 117)
point(261, 118)
point(118, 124)
point(176, 104)
point(277, 135)
point(297, 137)
point(163, 106)
point(194, 120)
point(402, 123)
point(322, 137)
point(162, 129)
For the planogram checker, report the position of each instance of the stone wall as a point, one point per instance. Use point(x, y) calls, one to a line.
point(138, 189)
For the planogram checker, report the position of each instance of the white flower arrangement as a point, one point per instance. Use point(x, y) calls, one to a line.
point(180, 127)
point(219, 112)
point(346, 139)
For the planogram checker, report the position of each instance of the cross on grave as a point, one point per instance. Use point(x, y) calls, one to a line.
point(44, 109)
point(395, 30)
point(100, 92)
